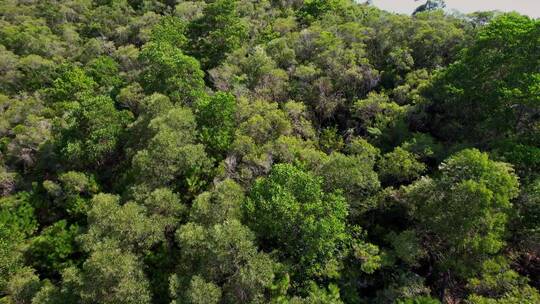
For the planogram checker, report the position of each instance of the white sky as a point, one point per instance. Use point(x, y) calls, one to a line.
point(526, 7)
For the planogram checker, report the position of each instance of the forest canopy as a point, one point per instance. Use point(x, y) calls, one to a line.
point(267, 151)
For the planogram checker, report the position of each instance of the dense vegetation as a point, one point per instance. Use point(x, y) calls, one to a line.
point(269, 151)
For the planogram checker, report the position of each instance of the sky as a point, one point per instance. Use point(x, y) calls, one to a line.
point(526, 7)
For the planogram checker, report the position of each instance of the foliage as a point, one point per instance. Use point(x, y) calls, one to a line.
point(226, 253)
point(172, 153)
point(217, 32)
point(169, 71)
point(127, 225)
point(500, 284)
point(354, 176)
point(495, 79)
point(290, 211)
point(17, 222)
point(123, 283)
point(216, 121)
point(464, 211)
point(51, 251)
point(91, 131)
point(400, 166)
point(242, 151)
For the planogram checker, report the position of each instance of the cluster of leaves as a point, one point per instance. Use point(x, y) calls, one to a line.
point(243, 151)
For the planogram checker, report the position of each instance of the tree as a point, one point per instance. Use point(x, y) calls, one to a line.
point(172, 154)
point(290, 212)
point(31, 36)
point(463, 212)
point(380, 118)
point(72, 83)
point(111, 275)
point(52, 250)
point(170, 30)
point(140, 131)
point(495, 80)
point(165, 206)
point(222, 203)
point(128, 225)
point(405, 287)
point(17, 214)
point(275, 151)
point(223, 253)
point(219, 31)
point(314, 9)
point(525, 229)
point(400, 166)
point(219, 253)
point(420, 300)
point(199, 292)
point(260, 125)
point(430, 5)
point(90, 134)
point(105, 72)
point(317, 295)
point(261, 78)
point(71, 194)
point(23, 285)
point(10, 74)
point(17, 223)
point(499, 284)
point(167, 70)
point(216, 122)
point(26, 132)
point(354, 176)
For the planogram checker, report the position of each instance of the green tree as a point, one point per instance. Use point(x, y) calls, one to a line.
point(23, 286)
point(167, 70)
point(17, 223)
point(31, 36)
point(275, 151)
point(499, 284)
point(290, 212)
point(464, 211)
point(219, 31)
point(71, 193)
point(172, 155)
point(105, 72)
point(90, 134)
point(420, 300)
point(430, 5)
point(10, 73)
point(216, 206)
point(111, 275)
point(400, 166)
point(527, 218)
point(127, 225)
point(216, 122)
point(52, 250)
point(261, 125)
point(260, 76)
point(491, 93)
point(354, 176)
point(219, 254)
point(163, 205)
point(317, 295)
point(72, 83)
point(199, 291)
point(171, 30)
point(311, 10)
point(17, 214)
point(380, 118)
point(224, 253)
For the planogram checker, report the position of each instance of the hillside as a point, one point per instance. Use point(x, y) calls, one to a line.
point(267, 151)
